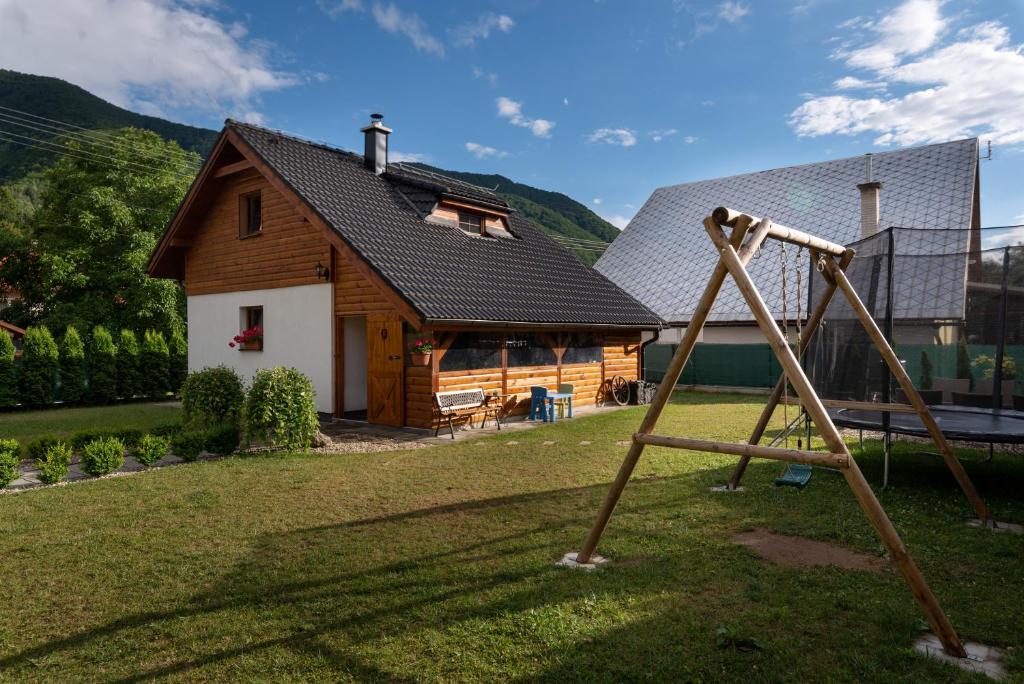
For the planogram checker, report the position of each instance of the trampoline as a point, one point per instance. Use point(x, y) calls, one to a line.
point(961, 423)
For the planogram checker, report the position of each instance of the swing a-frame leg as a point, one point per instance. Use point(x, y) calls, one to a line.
point(734, 255)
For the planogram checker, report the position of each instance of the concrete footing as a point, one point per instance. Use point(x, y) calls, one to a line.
point(726, 488)
point(981, 659)
point(569, 561)
point(996, 526)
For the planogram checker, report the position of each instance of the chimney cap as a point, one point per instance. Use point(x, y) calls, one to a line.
point(376, 123)
point(872, 185)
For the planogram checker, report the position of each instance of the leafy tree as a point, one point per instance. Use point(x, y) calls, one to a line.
point(102, 367)
point(963, 363)
point(8, 381)
point(155, 364)
point(128, 367)
point(926, 371)
point(72, 366)
point(178, 369)
point(39, 359)
point(92, 236)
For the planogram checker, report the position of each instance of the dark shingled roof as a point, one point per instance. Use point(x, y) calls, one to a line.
point(445, 274)
point(664, 257)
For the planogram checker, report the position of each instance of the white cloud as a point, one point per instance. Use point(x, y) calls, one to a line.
point(333, 9)
point(467, 34)
point(597, 200)
point(854, 83)
point(148, 54)
point(971, 84)
point(483, 151)
point(488, 76)
point(513, 111)
point(733, 11)
point(659, 135)
point(565, 101)
point(623, 137)
point(618, 220)
point(408, 24)
point(911, 28)
point(418, 157)
point(689, 139)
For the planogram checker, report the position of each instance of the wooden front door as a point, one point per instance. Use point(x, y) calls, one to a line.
point(385, 400)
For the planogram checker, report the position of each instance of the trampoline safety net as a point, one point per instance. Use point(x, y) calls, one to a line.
point(950, 309)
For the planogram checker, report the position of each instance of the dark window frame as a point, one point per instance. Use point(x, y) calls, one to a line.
point(466, 225)
point(245, 222)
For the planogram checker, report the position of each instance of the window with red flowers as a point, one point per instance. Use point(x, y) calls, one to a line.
point(251, 336)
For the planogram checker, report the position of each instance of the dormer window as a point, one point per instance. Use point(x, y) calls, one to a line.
point(471, 223)
point(250, 215)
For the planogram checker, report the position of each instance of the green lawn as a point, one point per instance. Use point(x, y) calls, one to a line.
point(438, 564)
point(63, 422)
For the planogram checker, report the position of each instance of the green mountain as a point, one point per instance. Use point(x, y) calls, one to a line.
point(21, 137)
point(64, 103)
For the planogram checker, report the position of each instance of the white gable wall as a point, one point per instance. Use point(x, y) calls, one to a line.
point(298, 332)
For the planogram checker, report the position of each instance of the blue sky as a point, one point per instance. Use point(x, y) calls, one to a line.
point(603, 100)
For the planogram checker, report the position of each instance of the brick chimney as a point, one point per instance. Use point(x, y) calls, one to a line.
point(375, 154)
point(870, 210)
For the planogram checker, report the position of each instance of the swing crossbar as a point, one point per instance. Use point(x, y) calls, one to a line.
point(857, 405)
point(816, 458)
point(728, 217)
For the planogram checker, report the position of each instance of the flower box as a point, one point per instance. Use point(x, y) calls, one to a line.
point(255, 345)
point(420, 358)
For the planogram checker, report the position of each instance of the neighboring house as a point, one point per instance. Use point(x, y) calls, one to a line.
point(344, 260)
point(17, 334)
point(664, 257)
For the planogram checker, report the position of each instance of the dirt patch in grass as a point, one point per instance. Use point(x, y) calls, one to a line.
point(797, 552)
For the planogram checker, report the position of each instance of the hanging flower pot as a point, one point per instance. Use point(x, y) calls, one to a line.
point(419, 353)
point(251, 339)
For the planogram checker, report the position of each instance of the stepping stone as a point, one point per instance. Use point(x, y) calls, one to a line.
point(622, 442)
point(511, 442)
point(585, 443)
point(548, 443)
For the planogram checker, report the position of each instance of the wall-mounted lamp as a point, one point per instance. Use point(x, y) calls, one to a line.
point(322, 272)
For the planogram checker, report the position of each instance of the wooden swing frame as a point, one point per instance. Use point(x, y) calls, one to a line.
point(735, 252)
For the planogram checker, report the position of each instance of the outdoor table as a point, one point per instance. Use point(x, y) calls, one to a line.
point(551, 398)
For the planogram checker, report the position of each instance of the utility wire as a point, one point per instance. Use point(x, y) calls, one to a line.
point(77, 137)
point(86, 131)
point(92, 156)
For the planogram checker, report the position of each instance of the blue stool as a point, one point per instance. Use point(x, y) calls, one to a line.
point(538, 397)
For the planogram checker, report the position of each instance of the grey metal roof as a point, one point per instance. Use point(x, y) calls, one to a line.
point(664, 257)
point(445, 274)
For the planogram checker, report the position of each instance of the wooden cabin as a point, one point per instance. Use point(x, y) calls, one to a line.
point(343, 261)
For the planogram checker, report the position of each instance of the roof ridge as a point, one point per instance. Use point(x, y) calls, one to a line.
point(818, 163)
point(291, 136)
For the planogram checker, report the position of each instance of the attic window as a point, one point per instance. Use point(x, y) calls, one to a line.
point(250, 214)
point(471, 223)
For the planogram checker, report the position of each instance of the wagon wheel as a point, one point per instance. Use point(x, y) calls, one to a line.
point(620, 390)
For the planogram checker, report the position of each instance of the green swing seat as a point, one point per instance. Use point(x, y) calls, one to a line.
point(796, 475)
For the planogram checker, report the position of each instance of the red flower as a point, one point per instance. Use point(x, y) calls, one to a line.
point(231, 344)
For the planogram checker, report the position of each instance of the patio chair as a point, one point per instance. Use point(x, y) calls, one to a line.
point(538, 402)
point(564, 402)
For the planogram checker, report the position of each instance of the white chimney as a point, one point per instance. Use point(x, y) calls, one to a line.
point(375, 154)
point(870, 210)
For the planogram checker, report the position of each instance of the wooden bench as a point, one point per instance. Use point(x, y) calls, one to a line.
point(464, 404)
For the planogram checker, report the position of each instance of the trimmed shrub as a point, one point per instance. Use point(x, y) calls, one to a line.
point(39, 359)
point(37, 448)
point(151, 449)
point(8, 460)
point(103, 456)
point(128, 367)
point(188, 445)
point(177, 369)
point(53, 466)
point(166, 430)
point(155, 363)
point(72, 367)
point(212, 396)
point(281, 408)
point(8, 381)
point(102, 367)
point(222, 440)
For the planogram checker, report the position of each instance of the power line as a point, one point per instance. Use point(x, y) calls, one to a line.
point(93, 156)
point(65, 124)
point(77, 137)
